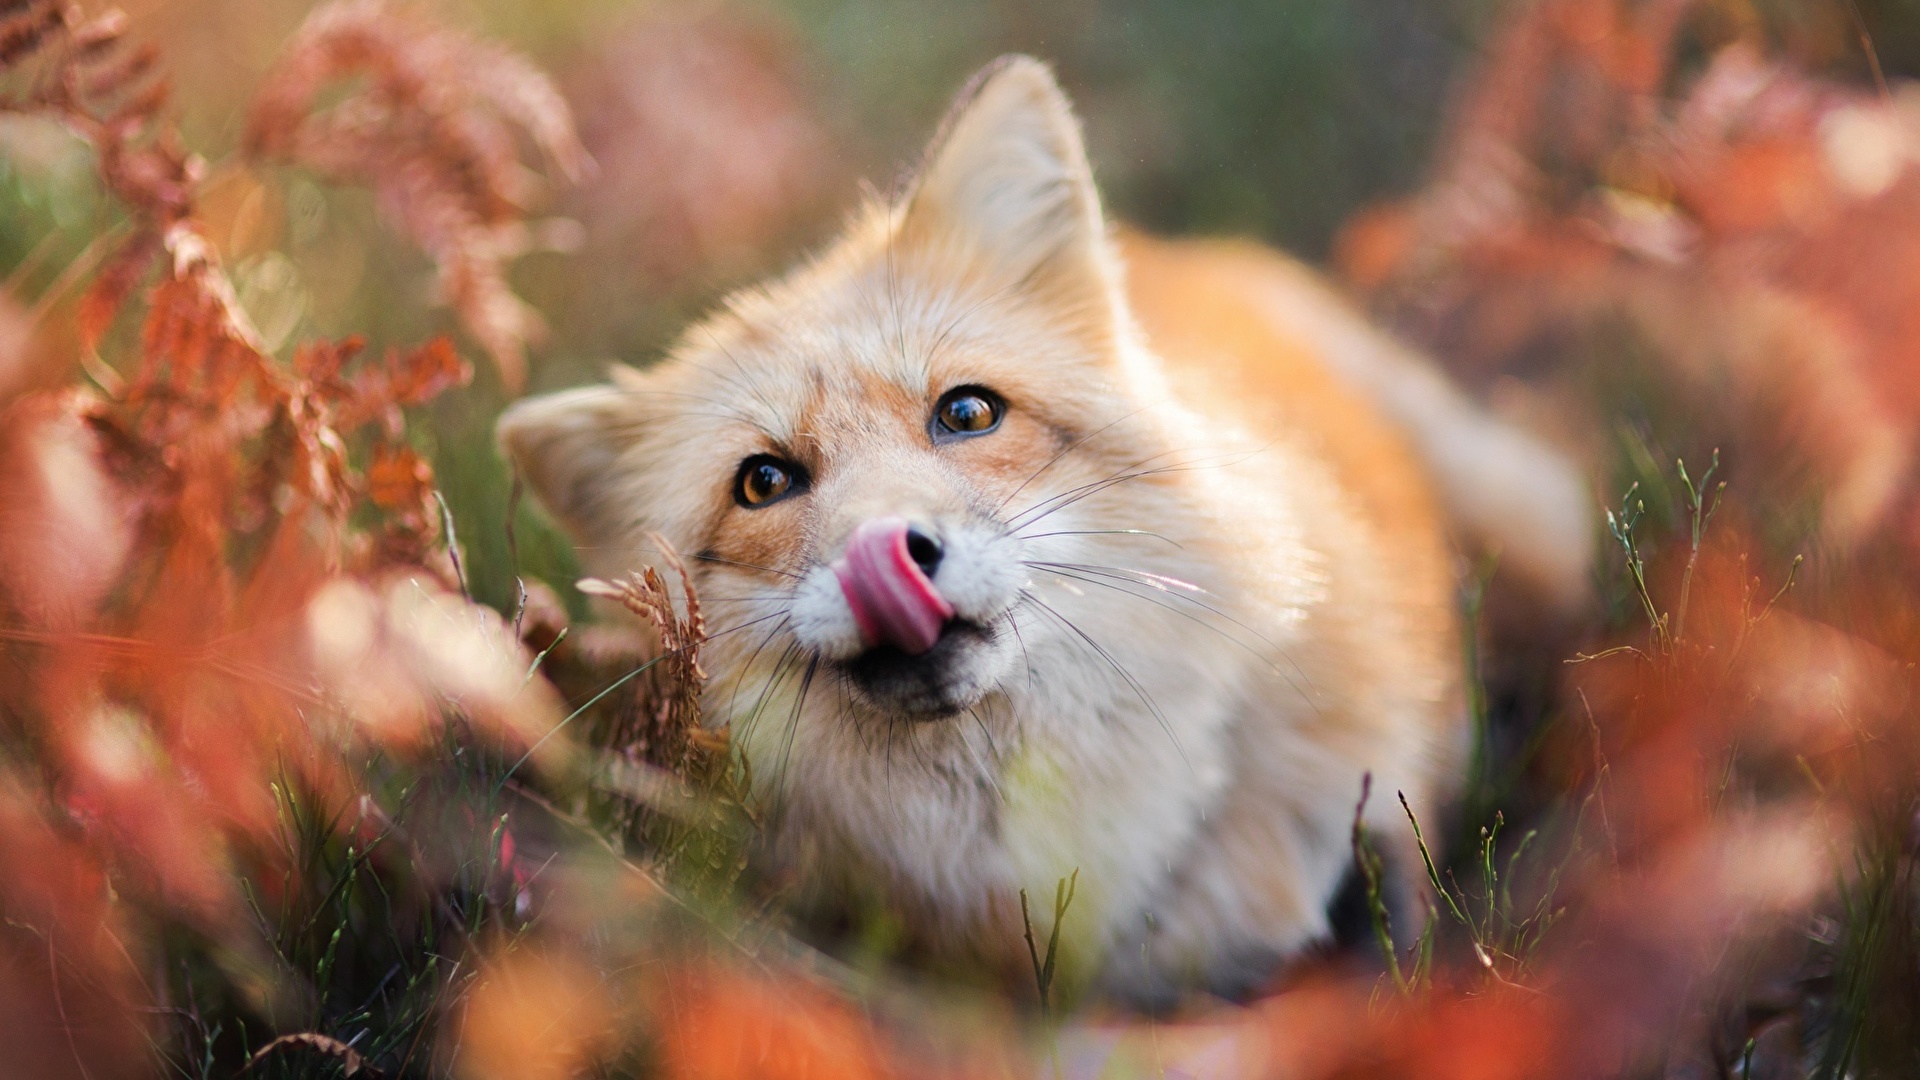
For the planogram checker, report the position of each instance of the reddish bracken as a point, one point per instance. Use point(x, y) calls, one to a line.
point(708, 144)
point(1752, 223)
point(188, 617)
point(435, 131)
point(672, 732)
point(223, 580)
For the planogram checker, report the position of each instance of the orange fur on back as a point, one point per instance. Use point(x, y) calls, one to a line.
point(1202, 316)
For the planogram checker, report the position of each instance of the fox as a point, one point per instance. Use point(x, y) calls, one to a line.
point(1042, 555)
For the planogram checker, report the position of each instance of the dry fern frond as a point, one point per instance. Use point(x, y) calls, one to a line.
point(206, 403)
point(645, 594)
point(195, 619)
point(277, 437)
point(1749, 220)
point(85, 77)
point(204, 499)
point(435, 132)
point(108, 94)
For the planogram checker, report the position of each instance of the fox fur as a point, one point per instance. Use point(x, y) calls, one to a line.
point(1201, 577)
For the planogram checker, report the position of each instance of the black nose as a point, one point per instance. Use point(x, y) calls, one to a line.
point(924, 550)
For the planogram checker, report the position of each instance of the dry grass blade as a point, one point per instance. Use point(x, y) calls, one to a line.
point(351, 1064)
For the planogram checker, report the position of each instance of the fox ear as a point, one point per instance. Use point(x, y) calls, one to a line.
point(1007, 179)
point(567, 446)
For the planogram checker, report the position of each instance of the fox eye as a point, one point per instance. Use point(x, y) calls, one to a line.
point(966, 410)
point(765, 479)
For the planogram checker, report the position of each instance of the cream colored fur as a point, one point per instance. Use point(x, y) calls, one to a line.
point(1201, 630)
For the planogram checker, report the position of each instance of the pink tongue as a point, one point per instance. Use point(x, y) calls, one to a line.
point(892, 600)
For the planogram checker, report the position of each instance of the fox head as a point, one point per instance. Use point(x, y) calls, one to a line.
point(928, 482)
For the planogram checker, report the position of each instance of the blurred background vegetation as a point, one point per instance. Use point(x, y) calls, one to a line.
point(731, 136)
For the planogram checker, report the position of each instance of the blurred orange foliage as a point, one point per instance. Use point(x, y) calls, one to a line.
point(534, 1016)
point(433, 127)
point(224, 582)
point(706, 142)
point(718, 1024)
point(1753, 223)
point(185, 605)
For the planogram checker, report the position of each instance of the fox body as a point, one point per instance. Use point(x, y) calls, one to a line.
point(1031, 552)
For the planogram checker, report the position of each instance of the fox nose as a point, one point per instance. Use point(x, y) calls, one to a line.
point(924, 550)
point(887, 578)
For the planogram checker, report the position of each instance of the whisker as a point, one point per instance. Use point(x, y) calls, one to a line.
point(780, 670)
point(1109, 476)
point(1073, 495)
point(745, 565)
point(992, 749)
point(1071, 447)
point(892, 722)
point(1099, 532)
point(1145, 698)
point(1086, 577)
point(745, 669)
point(664, 653)
point(793, 720)
point(1025, 656)
point(993, 752)
point(731, 629)
point(1154, 578)
point(1114, 572)
point(697, 557)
